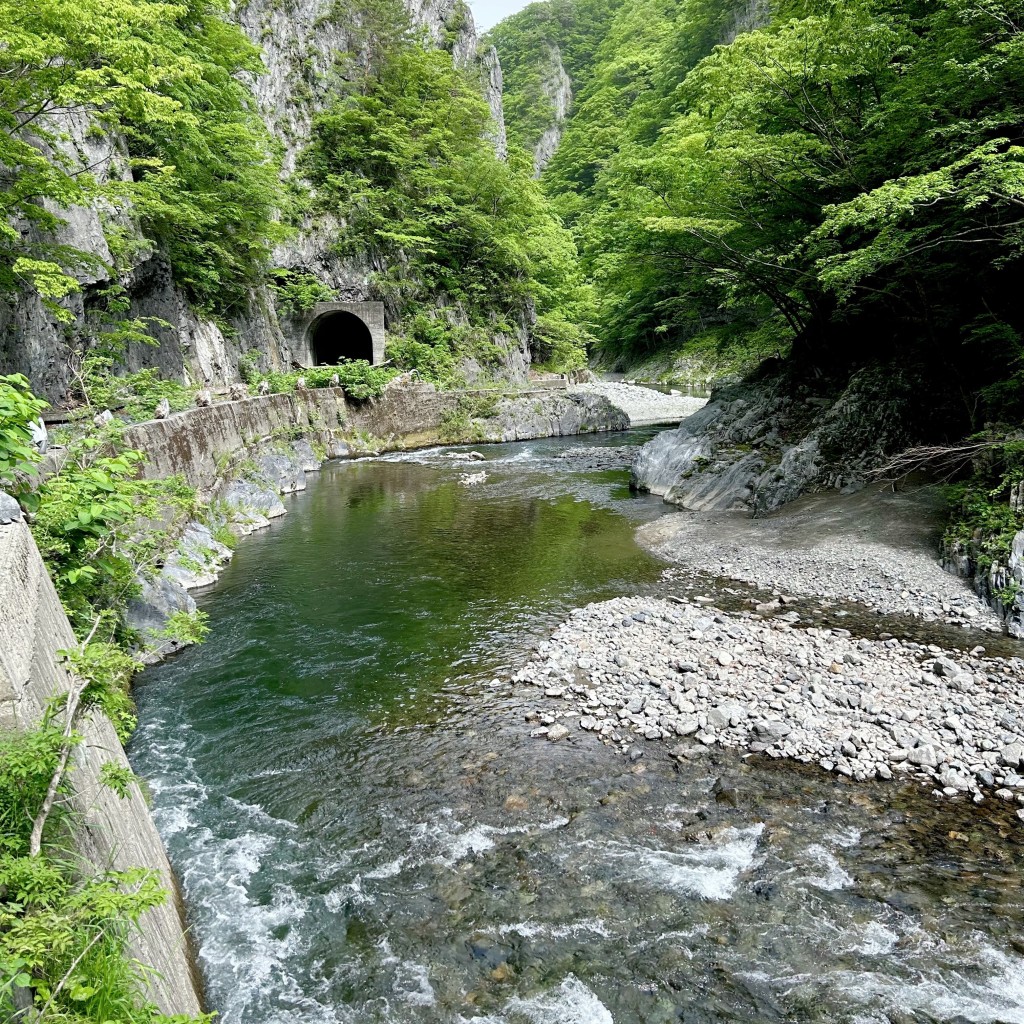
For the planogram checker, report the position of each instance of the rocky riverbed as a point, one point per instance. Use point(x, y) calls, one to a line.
point(638, 670)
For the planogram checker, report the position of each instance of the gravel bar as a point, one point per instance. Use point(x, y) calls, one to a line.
point(877, 547)
point(644, 406)
point(637, 669)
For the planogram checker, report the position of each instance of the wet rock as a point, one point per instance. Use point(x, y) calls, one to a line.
point(148, 612)
point(253, 504)
point(283, 470)
point(726, 793)
point(557, 732)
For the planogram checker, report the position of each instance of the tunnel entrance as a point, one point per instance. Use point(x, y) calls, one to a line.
point(339, 336)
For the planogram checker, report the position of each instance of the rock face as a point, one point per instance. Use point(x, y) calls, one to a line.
point(490, 67)
point(1002, 586)
point(755, 446)
point(553, 415)
point(111, 832)
point(299, 42)
point(557, 88)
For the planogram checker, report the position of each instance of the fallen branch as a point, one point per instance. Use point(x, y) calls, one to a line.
point(71, 708)
point(944, 461)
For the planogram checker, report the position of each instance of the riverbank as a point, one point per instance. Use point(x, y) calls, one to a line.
point(242, 456)
point(685, 671)
point(877, 547)
point(634, 670)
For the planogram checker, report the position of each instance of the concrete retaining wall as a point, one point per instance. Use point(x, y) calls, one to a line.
point(194, 444)
point(111, 833)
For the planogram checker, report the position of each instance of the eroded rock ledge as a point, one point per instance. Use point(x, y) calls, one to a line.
point(760, 444)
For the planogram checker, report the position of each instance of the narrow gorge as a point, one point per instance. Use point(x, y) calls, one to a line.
point(520, 526)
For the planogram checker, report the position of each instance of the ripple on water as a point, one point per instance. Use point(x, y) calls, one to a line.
point(572, 1002)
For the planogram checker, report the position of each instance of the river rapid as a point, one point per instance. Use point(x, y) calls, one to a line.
point(365, 832)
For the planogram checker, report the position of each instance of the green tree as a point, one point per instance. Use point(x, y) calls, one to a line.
point(403, 155)
point(160, 87)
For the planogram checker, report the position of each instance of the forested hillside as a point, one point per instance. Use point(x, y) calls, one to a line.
point(840, 178)
point(182, 186)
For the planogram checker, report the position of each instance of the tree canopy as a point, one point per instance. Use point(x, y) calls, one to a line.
point(139, 108)
point(845, 177)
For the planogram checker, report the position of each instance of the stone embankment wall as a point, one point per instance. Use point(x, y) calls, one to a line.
point(111, 832)
point(194, 444)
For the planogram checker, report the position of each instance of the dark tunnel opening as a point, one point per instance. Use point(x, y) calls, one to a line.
point(340, 336)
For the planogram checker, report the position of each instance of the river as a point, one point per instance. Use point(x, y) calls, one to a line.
point(365, 832)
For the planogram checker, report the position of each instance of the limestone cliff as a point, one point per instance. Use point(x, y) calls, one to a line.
point(557, 88)
point(299, 40)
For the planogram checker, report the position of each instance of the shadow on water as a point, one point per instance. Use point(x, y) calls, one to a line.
point(365, 831)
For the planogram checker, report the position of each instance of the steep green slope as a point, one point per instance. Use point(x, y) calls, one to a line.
point(192, 166)
point(467, 243)
point(532, 44)
point(845, 179)
point(144, 164)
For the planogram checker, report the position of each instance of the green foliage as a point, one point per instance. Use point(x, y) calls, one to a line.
point(169, 80)
point(64, 928)
point(435, 347)
point(118, 778)
point(108, 670)
point(559, 346)
point(19, 408)
point(528, 43)
point(359, 379)
point(986, 514)
point(135, 395)
point(462, 421)
point(846, 177)
point(85, 519)
point(186, 628)
point(223, 534)
point(298, 292)
point(403, 156)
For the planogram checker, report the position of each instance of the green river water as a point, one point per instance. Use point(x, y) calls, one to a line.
point(365, 831)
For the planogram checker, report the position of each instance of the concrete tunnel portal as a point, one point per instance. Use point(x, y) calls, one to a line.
point(339, 337)
point(336, 332)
